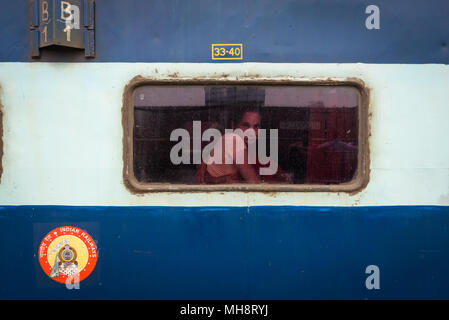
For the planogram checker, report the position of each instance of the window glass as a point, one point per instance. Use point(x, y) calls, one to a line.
point(245, 134)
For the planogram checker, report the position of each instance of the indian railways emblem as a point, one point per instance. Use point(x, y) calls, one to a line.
point(67, 254)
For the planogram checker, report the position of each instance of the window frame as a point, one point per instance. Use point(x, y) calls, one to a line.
point(357, 184)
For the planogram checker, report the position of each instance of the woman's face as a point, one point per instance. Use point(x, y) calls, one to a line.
point(250, 120)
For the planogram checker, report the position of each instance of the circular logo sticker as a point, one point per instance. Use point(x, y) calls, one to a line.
point(67, 253)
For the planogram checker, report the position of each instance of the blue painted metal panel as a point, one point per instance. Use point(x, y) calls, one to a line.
point(270, 31)
point(235, 253)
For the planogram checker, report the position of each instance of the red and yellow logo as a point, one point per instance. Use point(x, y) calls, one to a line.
point(68, 253)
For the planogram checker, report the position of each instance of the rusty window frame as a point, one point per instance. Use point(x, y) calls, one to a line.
point(357, 184)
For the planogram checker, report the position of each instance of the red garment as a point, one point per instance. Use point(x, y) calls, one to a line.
point(203, 177)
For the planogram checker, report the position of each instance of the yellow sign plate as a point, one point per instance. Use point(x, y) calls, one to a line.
point(227, 51)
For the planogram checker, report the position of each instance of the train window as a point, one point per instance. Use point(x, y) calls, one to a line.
point(245, 136)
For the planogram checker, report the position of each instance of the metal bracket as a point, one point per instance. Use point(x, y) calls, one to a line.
point(56, 23)
point(89, 28)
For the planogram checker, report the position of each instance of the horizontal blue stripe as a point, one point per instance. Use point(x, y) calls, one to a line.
point(270, 31)
point(235, 252)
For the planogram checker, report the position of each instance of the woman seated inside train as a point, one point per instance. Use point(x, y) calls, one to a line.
point(230, 169)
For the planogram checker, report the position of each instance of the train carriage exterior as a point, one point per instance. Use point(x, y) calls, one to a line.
point(68, 120)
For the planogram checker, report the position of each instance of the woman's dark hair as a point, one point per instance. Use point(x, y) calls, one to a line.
point(235, 101)
point(238, 112)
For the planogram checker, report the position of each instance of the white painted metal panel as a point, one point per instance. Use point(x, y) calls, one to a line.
point(62, 133)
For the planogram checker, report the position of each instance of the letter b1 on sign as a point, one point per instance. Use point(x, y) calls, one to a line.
point(66, 23)
point(60, 23)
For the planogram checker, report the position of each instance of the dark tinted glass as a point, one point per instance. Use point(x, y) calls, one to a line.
point(315, 129)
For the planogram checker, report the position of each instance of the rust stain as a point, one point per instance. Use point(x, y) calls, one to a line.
point(356, 202)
